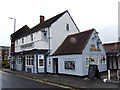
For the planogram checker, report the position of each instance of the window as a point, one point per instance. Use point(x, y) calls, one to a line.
point(32, 37)
point(19, 60)
point(67, 27)
point(22, 40)
point(49, 62)
point(17, 42)
point(40, 62)
point(97, 61)
point(103, 60)
point(29, 59)
point(44, 35)
point(69, 65)
point(87, 62)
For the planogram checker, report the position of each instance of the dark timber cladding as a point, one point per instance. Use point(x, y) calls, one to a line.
point(74, 44)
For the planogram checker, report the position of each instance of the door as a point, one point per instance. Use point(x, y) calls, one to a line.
point(55, 65)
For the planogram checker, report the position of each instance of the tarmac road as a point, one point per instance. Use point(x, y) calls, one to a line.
point(11, 81)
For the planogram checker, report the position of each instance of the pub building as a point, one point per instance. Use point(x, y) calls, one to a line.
point(57, 46)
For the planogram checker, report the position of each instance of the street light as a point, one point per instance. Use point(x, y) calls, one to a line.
point(14, 22)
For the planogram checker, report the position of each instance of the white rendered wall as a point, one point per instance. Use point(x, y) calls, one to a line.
point(87, 53)
point(38, 42)
point(59, 32)
point(61, 65)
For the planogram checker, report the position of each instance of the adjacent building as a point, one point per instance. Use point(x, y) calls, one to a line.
point(113, 55)
point(4, 54)
point(56, 46)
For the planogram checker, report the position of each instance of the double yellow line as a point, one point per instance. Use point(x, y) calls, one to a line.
point(62, 86)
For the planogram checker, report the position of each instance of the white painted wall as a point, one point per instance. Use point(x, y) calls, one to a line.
point(38, 42)
point(95, 55)
point(59, 32)
point(81, 69)
point(61, 65)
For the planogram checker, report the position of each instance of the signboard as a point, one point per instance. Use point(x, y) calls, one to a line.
point(94, 49)
point(27, 45)
point(93, 72)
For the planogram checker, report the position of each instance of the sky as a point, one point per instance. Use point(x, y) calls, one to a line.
point(99, 14)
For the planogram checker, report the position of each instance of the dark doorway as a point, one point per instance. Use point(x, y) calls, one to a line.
point(55, 65)
point(23, 59)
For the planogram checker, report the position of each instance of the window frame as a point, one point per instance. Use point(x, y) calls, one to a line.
point(31, 37)
point(22, 40)
point(67, 27)
point(40, 57)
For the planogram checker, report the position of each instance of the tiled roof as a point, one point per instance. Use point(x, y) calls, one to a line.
point(20, 33)
point(47, 23)
point(25, 30)
point(112, 47)
point(74, 44)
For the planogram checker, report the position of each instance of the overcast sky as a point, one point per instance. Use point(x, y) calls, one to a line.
point(99, 14)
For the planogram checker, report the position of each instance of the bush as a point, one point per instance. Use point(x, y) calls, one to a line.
point(5, 64)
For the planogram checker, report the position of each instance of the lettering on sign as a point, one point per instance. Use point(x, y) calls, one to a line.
point(94, 49)
point(27, 45)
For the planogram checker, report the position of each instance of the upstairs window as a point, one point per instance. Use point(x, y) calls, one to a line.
point(67, 27)
point(17, 42)
point(32, 37)
point(44, 34)
point(22, 40)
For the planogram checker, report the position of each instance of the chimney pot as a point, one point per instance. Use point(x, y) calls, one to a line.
point(42, 18)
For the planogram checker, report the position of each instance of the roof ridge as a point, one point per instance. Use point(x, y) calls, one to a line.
point(82, 32)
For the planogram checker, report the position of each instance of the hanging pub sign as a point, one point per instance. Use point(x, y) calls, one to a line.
point(94, 49)
point(70, 65)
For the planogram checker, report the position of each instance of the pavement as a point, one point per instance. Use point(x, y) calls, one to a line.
point(68, 80)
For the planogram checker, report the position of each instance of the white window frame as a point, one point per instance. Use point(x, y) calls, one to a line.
point(40, 57)
point(87, 61)
point(49, 62)
point(29, 60)
point(32, 37)
point(67, 27)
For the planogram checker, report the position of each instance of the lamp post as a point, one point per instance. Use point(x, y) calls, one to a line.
point(14, 22)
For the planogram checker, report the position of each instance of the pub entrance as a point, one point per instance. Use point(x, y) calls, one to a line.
point(55, 65)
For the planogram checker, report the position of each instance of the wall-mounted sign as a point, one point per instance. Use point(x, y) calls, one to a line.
point(70, 65)
point(94, 49)
point(27, 45)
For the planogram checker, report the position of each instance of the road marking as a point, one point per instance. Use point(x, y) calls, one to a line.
point(62, 86)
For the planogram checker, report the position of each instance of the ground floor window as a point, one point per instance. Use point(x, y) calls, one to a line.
point(41, 62)
point(49, 62)
point(69, 65)
point(103, 60)
point(18, 59)
point(29, 59)
point(90, 60)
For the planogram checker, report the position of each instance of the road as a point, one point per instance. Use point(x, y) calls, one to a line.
point(12, 81)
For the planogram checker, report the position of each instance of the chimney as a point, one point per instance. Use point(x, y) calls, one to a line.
point(42, 18)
